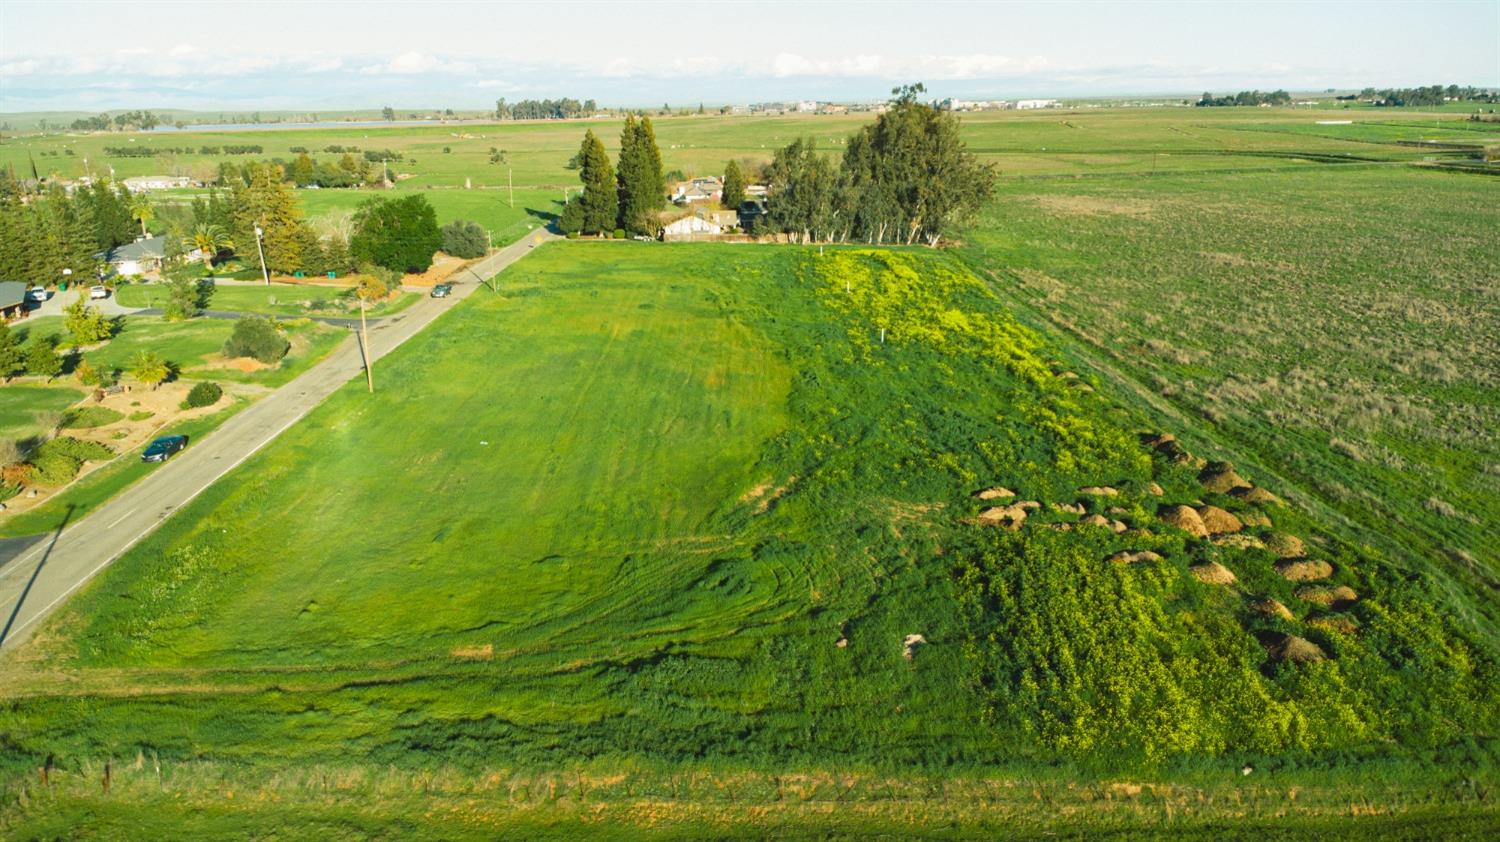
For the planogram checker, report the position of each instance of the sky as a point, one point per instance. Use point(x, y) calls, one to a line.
point(310, 55)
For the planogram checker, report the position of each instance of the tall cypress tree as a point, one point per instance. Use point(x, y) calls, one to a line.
point(734, 186)
point(598, 177)
point(627, 174)
point(642, 188)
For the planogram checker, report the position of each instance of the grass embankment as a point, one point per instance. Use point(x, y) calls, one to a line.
point(660, 527)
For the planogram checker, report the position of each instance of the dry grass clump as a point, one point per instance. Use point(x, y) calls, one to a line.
point(1184, 518)
point(1326, 596)
point(1218, 521)
point(1285, 546)
point(1258, 496)
point(1272, 608)
point(1220, 477)
point(1213, 573)
point(1134, 557)
point(998, 492)
point(1306, 570)
point(1293, 649)
point(1341, 623)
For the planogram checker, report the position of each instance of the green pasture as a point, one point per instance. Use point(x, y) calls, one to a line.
point(1338, 327)
point(593, 544)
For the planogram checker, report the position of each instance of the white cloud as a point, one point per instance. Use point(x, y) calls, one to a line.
point(412, 63)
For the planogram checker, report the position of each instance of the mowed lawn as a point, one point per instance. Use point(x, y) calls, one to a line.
point(497, 480)
point(271, 299)
point(21, 402)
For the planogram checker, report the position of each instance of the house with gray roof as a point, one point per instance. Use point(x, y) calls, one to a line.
point(12, 300)
point(139, 257)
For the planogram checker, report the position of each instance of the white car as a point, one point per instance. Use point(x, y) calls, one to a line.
point(99, 291)
point(37, 294)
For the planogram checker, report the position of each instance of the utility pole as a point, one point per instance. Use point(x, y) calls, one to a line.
point(264, 272)
point(510, 183)
point(365, 346)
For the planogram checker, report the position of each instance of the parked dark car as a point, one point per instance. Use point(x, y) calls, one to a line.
point(442, 290)
point(163, 448)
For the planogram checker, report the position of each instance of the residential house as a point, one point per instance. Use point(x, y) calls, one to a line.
point(708, 189)
point(145, 183)
point(751, 214)
point(12, 300)
point(1026, 104)
point(139, 257)
point(722, 218)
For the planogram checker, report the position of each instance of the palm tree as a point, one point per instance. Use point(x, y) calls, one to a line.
point(210, 239)
point(140, 208)
point(148, 368)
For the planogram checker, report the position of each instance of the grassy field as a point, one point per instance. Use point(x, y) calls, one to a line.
point(20, 404)
point(286, 300)
point(1339, 329)
point(648, 565)
point(442, 161)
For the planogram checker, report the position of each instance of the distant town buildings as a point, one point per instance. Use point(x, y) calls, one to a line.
point(954, 104)
point(144, 183)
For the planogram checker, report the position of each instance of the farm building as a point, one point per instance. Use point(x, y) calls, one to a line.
point(690, 228)
point(12, 300)
point(139, 257)
point(144, 183)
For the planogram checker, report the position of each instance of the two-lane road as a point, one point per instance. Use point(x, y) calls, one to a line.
point(42, 576)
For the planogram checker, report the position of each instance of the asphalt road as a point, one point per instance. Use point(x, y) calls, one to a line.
point(40, 577)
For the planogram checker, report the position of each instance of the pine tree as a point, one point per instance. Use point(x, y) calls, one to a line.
point(42, 358)
point(267, 201)
point(734, 185)
point(12, 361)
point(599, 189)
point(642, 187)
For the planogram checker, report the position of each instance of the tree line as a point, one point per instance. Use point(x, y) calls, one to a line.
point(625, 198)
point(153, 151)
point(46, 234)
point(1278, 97)
point(1430, 95)
point(143, 120)
point(905, 178)
point(543, 109)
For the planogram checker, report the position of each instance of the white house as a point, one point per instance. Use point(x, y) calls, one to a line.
point(1026, 104)
point(690, 228)
point(708, 189)
point(807, 106)
point(143, 183)
point(139, 257)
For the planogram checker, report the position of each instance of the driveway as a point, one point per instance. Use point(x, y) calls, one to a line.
point(44, 573)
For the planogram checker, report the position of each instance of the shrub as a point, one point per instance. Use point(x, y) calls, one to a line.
point(258, 338)
point(619, 234)
point(206, 393)
point(17, 474)
point(57, 461)
point(572, 235)
point(463, 238)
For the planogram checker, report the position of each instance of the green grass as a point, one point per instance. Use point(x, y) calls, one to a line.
point(192, 345)
point(21, 402)
point(603, 529)
point(288, 300)
point(100, 485)
point(86, 417)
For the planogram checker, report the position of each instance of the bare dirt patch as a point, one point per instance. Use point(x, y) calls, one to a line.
point(484, 653)
point(443, 265)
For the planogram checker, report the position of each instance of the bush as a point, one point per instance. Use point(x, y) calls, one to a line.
point(463, 238)
point(619, 234)
point(57, 461)
point(572, 235)
point(258, 338)
point(206, 393)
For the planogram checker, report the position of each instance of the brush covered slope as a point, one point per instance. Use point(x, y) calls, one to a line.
point(703, 540)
